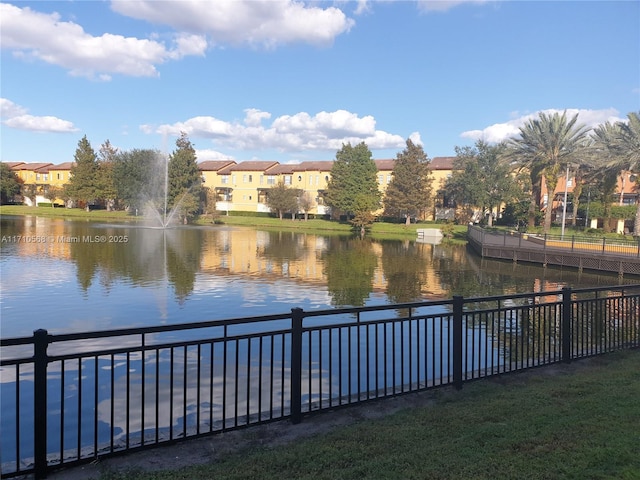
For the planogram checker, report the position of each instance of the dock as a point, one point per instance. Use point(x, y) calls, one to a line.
point(584, 253)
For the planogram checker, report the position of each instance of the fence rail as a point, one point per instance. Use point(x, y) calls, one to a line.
point(70, 398)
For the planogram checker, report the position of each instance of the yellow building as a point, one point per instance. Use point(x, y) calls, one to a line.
point(59, 175)
point(35, 179)
point(441, 169)
point(239, 183)
point(313, 178)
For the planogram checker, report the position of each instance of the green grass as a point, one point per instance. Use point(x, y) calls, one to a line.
point(580, 422)
point(72, 213)
point(379, 230)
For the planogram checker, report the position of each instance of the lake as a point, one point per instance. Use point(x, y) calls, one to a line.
point(69, 276)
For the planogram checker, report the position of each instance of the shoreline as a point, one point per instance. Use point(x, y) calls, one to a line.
point(378, 230)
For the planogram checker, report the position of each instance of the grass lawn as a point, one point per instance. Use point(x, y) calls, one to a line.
point(576, 421)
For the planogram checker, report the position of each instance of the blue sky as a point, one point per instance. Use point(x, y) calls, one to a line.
point(291, 80)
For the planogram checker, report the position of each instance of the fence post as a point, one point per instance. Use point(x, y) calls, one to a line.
point(457, 341)
point(297, 314)
point(40, 360)
point(567, 321)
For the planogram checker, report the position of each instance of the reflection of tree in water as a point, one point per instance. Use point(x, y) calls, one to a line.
point(405, 268)
point(349, 266)
point(184, 250)
point(144, 259)
point(282, 247)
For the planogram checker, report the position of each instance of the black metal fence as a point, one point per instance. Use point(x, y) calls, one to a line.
point(70, 398)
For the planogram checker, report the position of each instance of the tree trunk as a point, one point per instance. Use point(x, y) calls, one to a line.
point(408, 220)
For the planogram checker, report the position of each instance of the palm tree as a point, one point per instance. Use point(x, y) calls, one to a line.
point(621, 142)
point(544, 147)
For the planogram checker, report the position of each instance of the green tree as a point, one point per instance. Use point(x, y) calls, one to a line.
point(306, 203)
point(9, 184)
point(622, 144)
point(106, 186)
point(481, 179)
point(282, 199)
point(51, 193)
point(353, 187)
point(185, 179)
point(83, 184)
point(409, 192)
point(544, 147)
point(133, 179)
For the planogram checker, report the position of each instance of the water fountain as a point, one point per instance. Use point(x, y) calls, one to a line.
point(157, 209)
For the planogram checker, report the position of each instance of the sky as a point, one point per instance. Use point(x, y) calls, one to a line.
point(293, 81)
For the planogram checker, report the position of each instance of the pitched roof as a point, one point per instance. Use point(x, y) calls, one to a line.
point(442, 163)
point(12, 165)
point(317, 166)
point(280, 169)
point(249, 166)
point(214, 165)
point(385, 164)
point(31, 166)
point(62, 166)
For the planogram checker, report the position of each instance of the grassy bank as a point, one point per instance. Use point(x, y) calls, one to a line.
point(378, 229)
point(576, 421)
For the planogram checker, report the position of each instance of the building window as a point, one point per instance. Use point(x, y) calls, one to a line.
point(287, 179)
point(271, 180)
point(261, 179)
point(380, 179)
point(224, 179)
point(389, 178)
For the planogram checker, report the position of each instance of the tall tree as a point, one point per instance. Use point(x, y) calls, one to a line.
point(353, 187)
point(481, 180)
point(185, 180)
point(9, 183)
point(621, 144)
point(106, 182)
point(132, 173)
point(409, 192)
point(83, 184)
point(544, 147)
point(282, 199)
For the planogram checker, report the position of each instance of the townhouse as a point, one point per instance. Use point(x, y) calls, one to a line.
point(244, 186)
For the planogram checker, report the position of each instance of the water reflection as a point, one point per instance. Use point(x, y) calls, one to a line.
point(63, 280)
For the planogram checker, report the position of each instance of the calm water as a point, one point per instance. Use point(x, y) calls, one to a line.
point(70, 276)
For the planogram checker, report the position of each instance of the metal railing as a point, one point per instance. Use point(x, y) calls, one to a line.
point(626, 247)
point(71, 398)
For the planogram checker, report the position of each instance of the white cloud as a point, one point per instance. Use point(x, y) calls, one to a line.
point(209, 154)
point(293, 133)
point(8, 109)
point(416, 139)
point(255, 22)
point(30, 34)
point(15, 116)
point(499, 132)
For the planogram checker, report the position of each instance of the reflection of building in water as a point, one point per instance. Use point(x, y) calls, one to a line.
point(254, 253)
point(242, 252)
